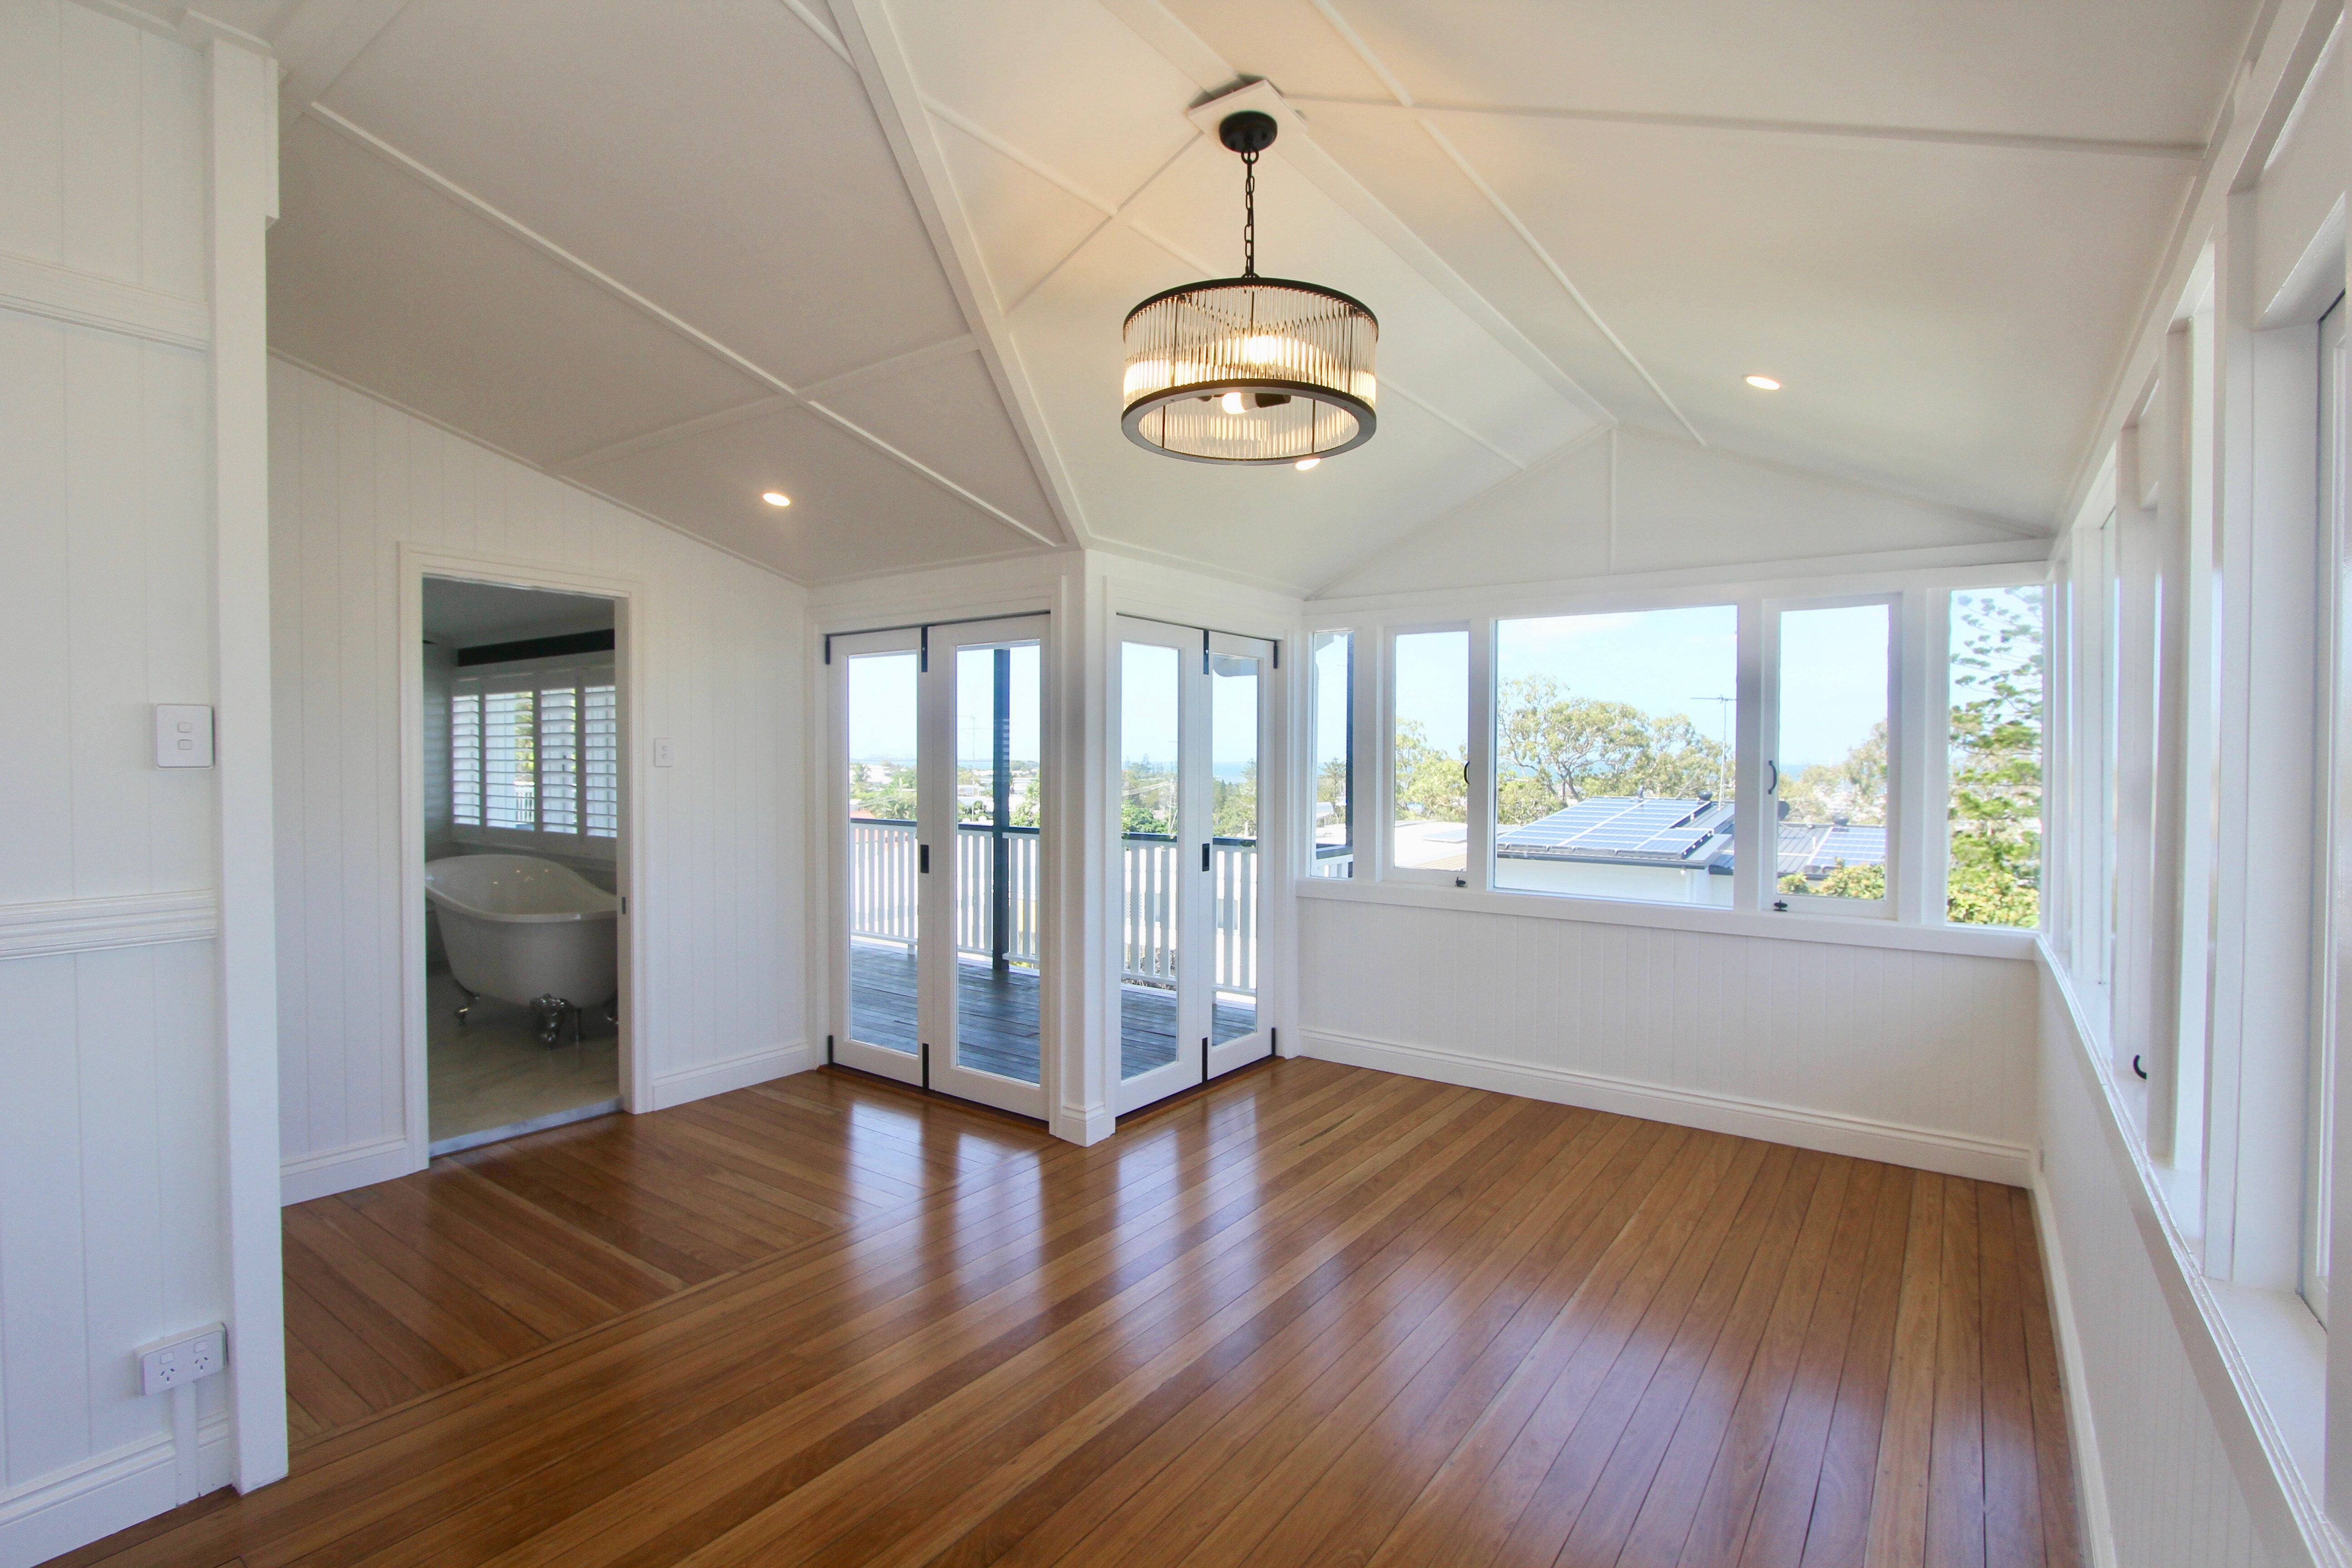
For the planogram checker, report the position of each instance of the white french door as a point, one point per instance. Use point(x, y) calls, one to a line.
point(1191, 713)
point(937, 961)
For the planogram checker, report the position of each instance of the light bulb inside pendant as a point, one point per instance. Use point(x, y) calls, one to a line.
point(1232, 402)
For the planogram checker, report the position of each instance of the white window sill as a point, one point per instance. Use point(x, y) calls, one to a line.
point(2285, 1352)
point(1836, 929)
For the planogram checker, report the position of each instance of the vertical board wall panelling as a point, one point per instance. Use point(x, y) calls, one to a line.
point(112, 1228)
point(1929, 1052)
point(2172, 1496)
point(717, 644)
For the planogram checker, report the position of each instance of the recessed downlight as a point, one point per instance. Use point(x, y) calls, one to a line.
point(1306, 463)
point(1763, 384)
point(776, 497)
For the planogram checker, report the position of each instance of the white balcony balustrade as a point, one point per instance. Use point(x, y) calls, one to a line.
point(883, 868)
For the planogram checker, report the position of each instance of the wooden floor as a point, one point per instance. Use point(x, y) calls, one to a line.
point(1312, 1315)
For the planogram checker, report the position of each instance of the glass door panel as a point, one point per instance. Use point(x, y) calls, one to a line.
point(998, 804)
point(1151, 752)
point(880, 972)
point(1829, 771)
point(1191, 719)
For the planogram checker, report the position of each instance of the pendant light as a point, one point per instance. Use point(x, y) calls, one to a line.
point(1250, 369)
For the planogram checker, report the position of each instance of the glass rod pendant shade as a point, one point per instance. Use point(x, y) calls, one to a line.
point(1250, 369)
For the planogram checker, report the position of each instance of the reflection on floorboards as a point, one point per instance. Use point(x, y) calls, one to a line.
point(997, 1014)
point(1314, 1314)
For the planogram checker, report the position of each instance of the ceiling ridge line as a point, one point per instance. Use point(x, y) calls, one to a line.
point(1404, 97)
point(2092, 146)
point(924, 469)
point(896, 97)
point(622, 291)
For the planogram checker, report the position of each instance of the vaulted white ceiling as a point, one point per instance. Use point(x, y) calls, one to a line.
point(876, 254)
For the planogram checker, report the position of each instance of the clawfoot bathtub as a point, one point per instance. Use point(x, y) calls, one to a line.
point(526, 930)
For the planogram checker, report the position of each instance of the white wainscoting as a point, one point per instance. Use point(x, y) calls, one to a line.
point(1920, 1058)
point(720, 648)
point(2170, 1453)
point(113, 1230)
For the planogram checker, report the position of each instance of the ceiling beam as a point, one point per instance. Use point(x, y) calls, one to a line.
point(1363, 51)
point(367, 140)
point(875, 53)
point(2090, 146)
point(317, 43)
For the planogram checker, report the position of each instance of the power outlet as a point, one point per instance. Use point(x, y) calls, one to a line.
point(191, 1357)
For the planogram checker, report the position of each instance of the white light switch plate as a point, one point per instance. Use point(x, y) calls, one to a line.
point(665, 754)
point(166, 1366)
point(184, 735)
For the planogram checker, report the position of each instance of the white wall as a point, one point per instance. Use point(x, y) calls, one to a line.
point(1921, 1057)
point(719, 646)
point(2162, 1441)
point(1630, 502)
point(115, 1227)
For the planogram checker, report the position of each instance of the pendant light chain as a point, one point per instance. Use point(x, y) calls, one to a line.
point(1249, 214)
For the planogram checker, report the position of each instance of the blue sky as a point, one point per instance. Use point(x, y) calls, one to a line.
point(1148, 700)
point(882, 705)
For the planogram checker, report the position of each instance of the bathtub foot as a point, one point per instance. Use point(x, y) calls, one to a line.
point(551, 1019)
point(466, 1007)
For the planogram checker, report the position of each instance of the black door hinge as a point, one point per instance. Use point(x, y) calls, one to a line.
point(1204, 857)
point(922, 859)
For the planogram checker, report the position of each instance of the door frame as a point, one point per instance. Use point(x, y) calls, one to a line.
point(1195, 921)
point(632, 610)
point(933, 1065)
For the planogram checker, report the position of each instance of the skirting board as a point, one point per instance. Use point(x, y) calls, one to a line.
point(2075, 1381)
point(735, 1072)
point(113, 1491)
point(1950, 1155)
point(341, 1170)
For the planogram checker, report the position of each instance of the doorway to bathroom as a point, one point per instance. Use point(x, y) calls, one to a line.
point(521, 722)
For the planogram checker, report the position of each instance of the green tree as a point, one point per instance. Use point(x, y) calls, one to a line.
point(1553, 749)
point(1844, 881)
point(1995, 875)
point(891, 797)
point(1331, 787)
point(1854, 789)
point(1431, 783)
point(1233, 804)
point(1147, 801)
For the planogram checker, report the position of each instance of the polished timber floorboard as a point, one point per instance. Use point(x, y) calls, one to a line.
point(1310, 1315)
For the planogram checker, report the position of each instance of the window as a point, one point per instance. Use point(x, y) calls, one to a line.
point(1831, 769)
point(1429, 756)
point(1994, 807)
point(1331, 753)
point(1614, 765)
point(537, 754)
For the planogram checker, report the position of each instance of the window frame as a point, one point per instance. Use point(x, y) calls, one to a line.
point(1902, 766)
point(1912, 914)
point(1351, 755)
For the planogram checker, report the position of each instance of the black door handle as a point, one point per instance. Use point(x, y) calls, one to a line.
point(923, 858)
point(1204, 857)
